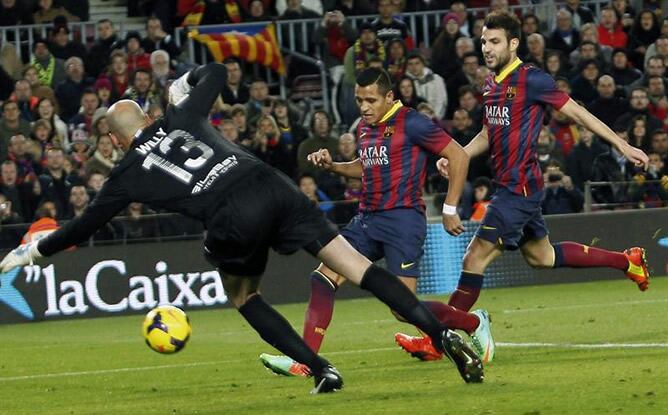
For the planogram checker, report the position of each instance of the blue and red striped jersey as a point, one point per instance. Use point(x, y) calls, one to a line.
point(394, 155)
point(515, 102)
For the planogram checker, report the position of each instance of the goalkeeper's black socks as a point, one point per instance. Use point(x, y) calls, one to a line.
point(390, 290)
point(275, 330)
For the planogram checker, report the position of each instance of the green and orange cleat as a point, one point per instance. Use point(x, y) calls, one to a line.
point(418, 347)
point(284, 366)
point(637, 271)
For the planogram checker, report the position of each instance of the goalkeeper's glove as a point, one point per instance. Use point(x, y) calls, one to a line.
point(179, 89)
point(23, 255)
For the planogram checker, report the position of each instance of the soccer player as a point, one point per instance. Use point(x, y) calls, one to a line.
point(515, 98)
point(394, 144)
point(179, 163)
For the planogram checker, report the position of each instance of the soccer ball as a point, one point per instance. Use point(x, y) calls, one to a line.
point(166, 329)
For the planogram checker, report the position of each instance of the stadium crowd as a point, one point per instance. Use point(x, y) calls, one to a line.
point(55, 151)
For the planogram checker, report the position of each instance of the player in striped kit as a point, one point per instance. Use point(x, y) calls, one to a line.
point(515, 98)
point(394, 144)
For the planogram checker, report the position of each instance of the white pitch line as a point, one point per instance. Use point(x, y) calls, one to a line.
point(342, 352)
point(576, 306)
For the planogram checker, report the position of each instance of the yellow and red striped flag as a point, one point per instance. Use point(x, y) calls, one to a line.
point(251, 43)
point(194, 14)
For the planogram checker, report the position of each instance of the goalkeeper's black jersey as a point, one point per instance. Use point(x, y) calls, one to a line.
point(179, 163)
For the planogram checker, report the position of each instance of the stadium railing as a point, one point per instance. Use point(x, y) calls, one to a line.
point(618, 187)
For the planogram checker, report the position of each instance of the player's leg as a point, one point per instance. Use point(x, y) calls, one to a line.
point(341, 257)
point(540, 253)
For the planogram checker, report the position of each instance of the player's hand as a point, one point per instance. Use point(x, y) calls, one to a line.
point(23, 255)
point(635, 155)
point(179, 89)
point(321, 158)
point(443, 166)
point(453, 224)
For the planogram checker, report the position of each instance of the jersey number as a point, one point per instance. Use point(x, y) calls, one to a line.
point(192, 163)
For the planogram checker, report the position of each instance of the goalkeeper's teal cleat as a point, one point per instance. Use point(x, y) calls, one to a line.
point(283, 365)
point(482, 339)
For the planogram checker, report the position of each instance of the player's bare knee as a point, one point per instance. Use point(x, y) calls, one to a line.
point(537, 261)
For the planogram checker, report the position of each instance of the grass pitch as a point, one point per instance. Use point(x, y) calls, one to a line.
point(590, 348)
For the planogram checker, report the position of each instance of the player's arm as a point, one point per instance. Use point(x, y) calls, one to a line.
point(477, 146)
point(458, 162)
point(196, 91)
point(323, 159)
point(104, 207)
point(583, 117)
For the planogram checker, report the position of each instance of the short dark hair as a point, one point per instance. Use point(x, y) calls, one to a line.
point(377, 76)
point(470, 54)
point(416, 55)
point(505, 21)
point(658, 131)
point(105, 21)
point(465, 89)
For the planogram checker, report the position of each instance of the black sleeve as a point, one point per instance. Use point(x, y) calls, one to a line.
point(109, 201)
point(207, 82)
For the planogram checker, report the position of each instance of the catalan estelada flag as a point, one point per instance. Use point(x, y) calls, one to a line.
point(193, 10)
point(251, 43)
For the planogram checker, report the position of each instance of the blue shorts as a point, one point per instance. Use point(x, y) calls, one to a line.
point(512, 219)
point(396, 235)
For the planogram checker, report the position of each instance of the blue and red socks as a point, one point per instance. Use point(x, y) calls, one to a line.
point(319, 311)
point(575, 255)
point(467, 292)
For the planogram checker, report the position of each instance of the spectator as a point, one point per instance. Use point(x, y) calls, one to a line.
point(469, 102)
point(580, 160)
point(22, 194)
point(157, 39)
point(54, 181)
point(100, 126)
point(554, 64)
point(443, 48)
point(27, 168)
point(589, 37)
point(657, 49)
point(102, 88)
point(659, 145)
point(622, 72)
point(565, 37)
point(137, 57)
point(546, 146)
point(561, 196)
point(50, 70)
point(105, 157)
point(387, 27)
point(89, 103)
point(405, 92)
point(645, 32)
point(229, 131)
point(656, 90)
point(588, 51)
point(70, 92)
point(79, 150)
point(294, 10)
point(139, 223)
point(581, 14)
point(465, 74)
point(334, 35)
point(238, 114)
point(637, 132)
point(428, 85)
point(160, 69)
point(37, 89)
point(101, 49)
point(564, 132)
point(13, 13)
point(78, 201)
point(94, 183)
point(536, 50)
point(118, 74)
point(155, 111)
point(11, 124)
point(292, 134)
point(78, 8)
point(256, 12)
point(650, 189)
point(63, 48)
point(482, 195)
point(234, 91)
point(584, 84)
point(259, 93)
point(46, 13)
point(463, 131)
point(358, 55)
point(217, 12)
point(609, 32)
point(639, 101)
point(42, 138)
point(11, 234)
point(624, 12)
point(612, 166)
point(24, 99)
point(142, 91)
point(607, 107)
point(46, 110)
point(396, 59)
point(530, 25)
point(465, 19)
point(309, 188)
point(321, 137)
point(269, 147)
point(655, 67)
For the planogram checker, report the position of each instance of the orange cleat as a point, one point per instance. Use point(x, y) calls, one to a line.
point(419, 347)
point(637, 270)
